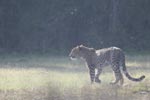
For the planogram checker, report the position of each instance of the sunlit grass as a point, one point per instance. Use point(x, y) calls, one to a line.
point(58, 78)
point(20, 78)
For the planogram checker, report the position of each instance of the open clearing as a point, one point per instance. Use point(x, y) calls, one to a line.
point(58, 78)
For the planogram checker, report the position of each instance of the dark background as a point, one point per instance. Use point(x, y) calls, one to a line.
point(55, 26)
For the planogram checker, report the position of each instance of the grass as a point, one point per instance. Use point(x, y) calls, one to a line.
point(58, 78)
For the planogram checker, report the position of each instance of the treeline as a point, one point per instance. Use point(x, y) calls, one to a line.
point(58, 25)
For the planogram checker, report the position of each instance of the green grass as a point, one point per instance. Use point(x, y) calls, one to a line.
point(58, 78)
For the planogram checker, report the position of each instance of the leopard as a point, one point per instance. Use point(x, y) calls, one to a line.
point(96, 60)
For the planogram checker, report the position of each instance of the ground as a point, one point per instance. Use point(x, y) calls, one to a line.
point(39, 77)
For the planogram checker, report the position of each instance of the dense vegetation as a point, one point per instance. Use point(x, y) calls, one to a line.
point(56, 25)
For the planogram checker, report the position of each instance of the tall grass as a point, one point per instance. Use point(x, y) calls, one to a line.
point(58, 78)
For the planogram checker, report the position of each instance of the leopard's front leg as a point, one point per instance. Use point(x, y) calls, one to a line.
point(92, 73)
point(97, 80)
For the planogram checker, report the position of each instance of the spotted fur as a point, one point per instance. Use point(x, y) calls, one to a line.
point(97, 59)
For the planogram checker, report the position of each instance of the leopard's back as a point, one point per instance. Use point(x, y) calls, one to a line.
point(111, 55)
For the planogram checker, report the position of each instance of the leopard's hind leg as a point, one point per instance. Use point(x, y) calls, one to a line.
point(118, 74)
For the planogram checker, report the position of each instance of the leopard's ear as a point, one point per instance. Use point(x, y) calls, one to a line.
point(81, 45)
point(80, 48)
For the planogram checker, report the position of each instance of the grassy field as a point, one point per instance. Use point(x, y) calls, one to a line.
point(58, 78)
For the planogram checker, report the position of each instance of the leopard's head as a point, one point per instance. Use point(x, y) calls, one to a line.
point(80, 52)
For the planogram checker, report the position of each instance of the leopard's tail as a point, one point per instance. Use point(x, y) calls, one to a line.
point(130, 77)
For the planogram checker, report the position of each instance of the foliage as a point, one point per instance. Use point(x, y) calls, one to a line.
point(56, 26)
